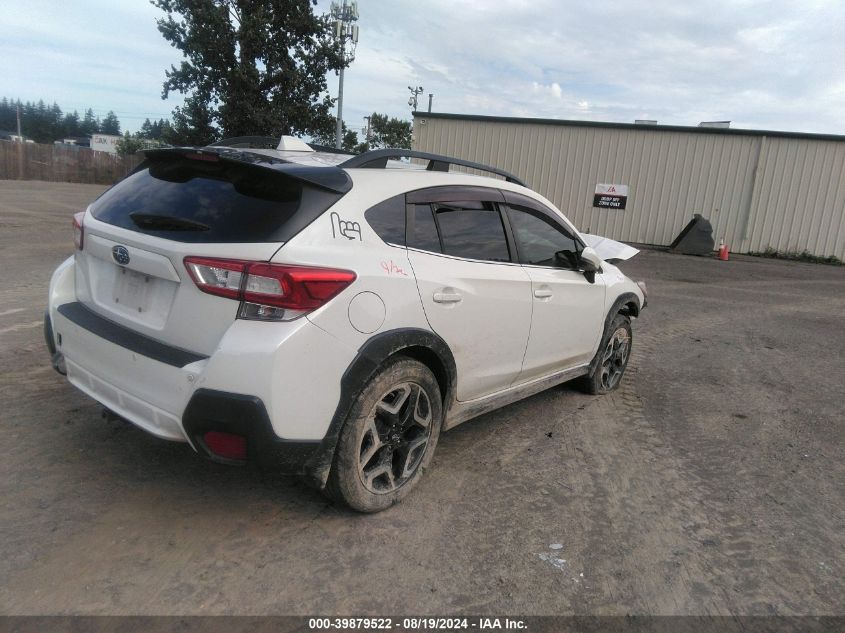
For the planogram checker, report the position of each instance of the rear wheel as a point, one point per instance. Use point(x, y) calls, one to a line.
point(612, 357)
point(388, 438)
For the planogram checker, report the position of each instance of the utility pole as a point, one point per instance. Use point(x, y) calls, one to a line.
point(430, 99)
point(368, 132)
point(415, 92)
point(20, 144)
point(345, 32)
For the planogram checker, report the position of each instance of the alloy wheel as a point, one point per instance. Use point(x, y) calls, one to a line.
point(614, 358)
point(395, 438)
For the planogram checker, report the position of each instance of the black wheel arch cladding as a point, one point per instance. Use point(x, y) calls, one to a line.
point(421, 345)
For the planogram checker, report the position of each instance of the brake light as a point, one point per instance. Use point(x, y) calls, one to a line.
point(211, 158)
point(78, 232)
point(268, 291)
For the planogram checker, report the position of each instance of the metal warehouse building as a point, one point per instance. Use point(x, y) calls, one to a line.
point(760, 190)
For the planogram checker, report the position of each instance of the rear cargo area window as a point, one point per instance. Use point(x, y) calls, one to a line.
point(387, 219)
point(212, 201)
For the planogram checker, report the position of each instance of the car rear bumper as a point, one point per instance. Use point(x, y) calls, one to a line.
point(290, 371)
point(144, 382)
point(210, 410)
point(105, 361)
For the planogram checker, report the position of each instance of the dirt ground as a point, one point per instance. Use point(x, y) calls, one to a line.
point(710, 483)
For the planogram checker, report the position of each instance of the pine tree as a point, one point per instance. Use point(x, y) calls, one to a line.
point(8, 115)
point(89, 124)
point(146, 130)
point(71, 124)
point(110, 125)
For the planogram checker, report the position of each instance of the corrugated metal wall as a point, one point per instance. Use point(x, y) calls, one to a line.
point(757, 191)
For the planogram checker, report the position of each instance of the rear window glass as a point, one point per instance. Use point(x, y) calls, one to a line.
point(195, 201)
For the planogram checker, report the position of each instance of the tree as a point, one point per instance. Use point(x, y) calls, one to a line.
point(192, 125)
point(350, 140)
point(110, 125)
point(388, 132)
point(46, 123)
point(328, 136)
point(154, 130)
point(71, 124)
point(8, 114)
point(90, 125)
point(250, 67)
point(129, 144)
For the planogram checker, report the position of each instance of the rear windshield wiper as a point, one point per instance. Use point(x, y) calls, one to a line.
point(152, 222)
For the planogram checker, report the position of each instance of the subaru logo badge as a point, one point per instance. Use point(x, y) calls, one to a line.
point(120, 254)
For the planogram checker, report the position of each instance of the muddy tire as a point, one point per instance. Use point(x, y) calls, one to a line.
point(388, 438)
point(611, 358)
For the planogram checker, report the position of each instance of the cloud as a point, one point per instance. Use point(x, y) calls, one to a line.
point(774, 64)
point(764, 65)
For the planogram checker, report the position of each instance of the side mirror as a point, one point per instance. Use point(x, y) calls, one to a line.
point(590, 263)
point(590, 260)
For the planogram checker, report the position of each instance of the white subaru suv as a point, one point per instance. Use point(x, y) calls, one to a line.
point(330, 315)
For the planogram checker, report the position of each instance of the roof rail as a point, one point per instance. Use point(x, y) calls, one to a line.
point(378, 159)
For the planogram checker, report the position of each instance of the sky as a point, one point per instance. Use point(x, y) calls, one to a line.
point(764, 65)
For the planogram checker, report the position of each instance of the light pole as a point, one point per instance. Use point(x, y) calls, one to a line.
point(367, 132)
point(415, 92)
point(345, 32)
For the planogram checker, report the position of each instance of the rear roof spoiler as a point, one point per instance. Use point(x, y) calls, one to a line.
point(330, 178)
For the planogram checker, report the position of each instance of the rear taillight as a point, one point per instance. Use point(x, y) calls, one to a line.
point(268, 291)
point(78, 232)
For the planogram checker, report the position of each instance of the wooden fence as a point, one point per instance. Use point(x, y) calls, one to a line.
point(62, 163)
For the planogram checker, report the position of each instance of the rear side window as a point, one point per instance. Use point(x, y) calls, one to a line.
point(387, 219)
point(209, 201)
point(424, 233)
point(473, 230)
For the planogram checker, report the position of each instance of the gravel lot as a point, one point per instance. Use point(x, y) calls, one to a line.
point(710, 483)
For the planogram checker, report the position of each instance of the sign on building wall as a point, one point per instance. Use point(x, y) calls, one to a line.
point(610, 196)
point(104, 143)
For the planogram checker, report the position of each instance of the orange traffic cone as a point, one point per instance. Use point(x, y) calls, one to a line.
point(723, 251)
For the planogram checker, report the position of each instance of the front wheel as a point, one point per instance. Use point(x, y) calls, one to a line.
point(388, 438)
point(612, 358)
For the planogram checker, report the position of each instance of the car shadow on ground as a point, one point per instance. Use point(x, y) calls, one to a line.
point(118, 456)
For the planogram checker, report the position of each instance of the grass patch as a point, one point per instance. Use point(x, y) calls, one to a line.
point(803, 256)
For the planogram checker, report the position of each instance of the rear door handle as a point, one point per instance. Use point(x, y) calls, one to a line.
point(542, 293)
point(446, 297)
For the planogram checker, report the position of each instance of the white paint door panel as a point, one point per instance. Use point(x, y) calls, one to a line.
point(566, 323)
point(483, 312)
point(568, 310)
